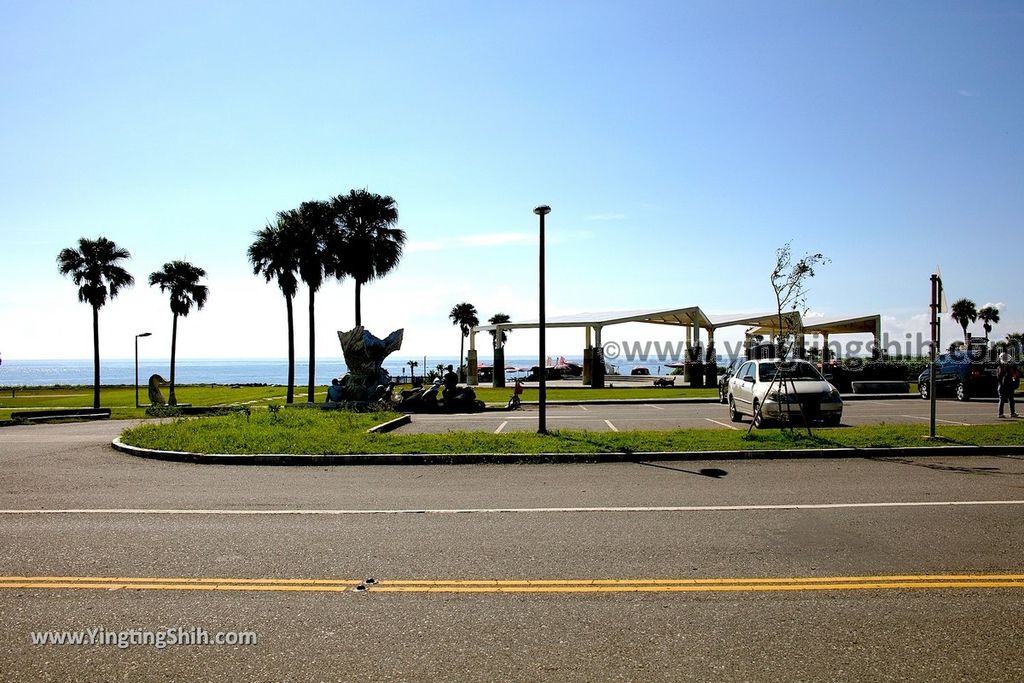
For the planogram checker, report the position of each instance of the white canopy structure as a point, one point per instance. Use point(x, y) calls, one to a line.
point(692, 318)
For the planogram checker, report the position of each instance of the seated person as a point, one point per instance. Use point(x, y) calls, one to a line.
point(451, 381)
point(334, 394)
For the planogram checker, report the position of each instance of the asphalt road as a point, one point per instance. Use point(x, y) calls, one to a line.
point(652, 416)
point(736, 546)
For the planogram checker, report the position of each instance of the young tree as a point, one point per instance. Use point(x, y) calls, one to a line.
point(367, 245)
point(274, 254)
point(181, 280)
point(94, 266)
point(964, 312)
point(463, 315)
point(989, 316)
point(497, 319)
point(789, 283)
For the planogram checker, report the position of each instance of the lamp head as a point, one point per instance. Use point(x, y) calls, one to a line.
point(144, 334)
point(542, 210)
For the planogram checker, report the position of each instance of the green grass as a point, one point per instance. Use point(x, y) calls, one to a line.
point(317, 432)
point(121, 399)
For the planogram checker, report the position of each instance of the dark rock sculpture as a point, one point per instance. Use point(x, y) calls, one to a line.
point(364, 356)
point(155, 396)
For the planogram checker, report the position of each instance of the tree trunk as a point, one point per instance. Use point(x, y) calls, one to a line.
point(95, 357)
point(171, 398)
point(312, 348)
point(291, 351)
point(462, 344)
point(359, 303)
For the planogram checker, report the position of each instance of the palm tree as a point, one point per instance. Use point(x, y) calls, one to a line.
point(368, 245)
point(988, 316)
point(93, 266)
point(464, 315)
point(311, 226)
point(181, 280)
point(273, 254)
point(497, 319)
point(412, 369)
point(965, 312)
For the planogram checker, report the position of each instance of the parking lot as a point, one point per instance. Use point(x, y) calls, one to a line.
point(664, 416)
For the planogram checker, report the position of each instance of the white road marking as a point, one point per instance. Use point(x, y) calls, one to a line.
point(723, 424)
point(585, 408)
point(500, 427)
point(446, 511)
point(949, 422)
point(611, 426)
point(651, 405)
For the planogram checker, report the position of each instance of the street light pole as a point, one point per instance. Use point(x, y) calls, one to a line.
point(543, 392)
point(141, 334)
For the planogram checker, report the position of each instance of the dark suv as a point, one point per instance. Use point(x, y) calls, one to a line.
point(962, 374)
point(723, 379)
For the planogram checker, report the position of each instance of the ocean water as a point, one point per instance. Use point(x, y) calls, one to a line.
point(14, 372)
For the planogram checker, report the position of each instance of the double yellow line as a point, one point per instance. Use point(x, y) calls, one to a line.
point(708, 585)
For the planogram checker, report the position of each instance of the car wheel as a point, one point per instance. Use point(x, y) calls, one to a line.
point(833, 420)
point(759, 419)
point(734, 414)
point(961, 392)
point(922, 388)
point(722, 397)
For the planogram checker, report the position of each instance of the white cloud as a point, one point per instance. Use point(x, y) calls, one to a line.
point(963, 92)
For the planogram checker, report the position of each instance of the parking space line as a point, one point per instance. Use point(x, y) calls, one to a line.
point(651, 405)
point(723, 424)
point(949, 422)
point(611, 426)
point(500, 427)
point(585, 408)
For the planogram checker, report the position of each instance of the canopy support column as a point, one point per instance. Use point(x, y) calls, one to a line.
point(588, 356)
point(498, 372)
point(471, 368)
point(597, 362)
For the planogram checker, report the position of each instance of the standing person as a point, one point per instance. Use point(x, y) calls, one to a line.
point(1007, 379)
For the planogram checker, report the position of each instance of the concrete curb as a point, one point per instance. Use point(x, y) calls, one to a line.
point(544, 458)
point(390, 425)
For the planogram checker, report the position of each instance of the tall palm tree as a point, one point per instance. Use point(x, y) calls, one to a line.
point(964, 312)
point(311, 226)
point(497, 319)
point(274, 255)
point(94, 267)
point(369, 246)
point(988, 315)
point(465, 316)
point(181, 280)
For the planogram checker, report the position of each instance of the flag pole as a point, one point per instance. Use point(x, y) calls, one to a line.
point(936, 287)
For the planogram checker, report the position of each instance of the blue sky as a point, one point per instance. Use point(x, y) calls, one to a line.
point(678, 143)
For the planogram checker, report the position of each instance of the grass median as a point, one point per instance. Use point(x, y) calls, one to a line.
point(121, 399)
point(321, 433)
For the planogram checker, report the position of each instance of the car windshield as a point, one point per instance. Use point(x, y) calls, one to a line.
point(799, 372)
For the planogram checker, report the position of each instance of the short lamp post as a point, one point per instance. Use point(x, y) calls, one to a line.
point(542, 427)
point(141, 334)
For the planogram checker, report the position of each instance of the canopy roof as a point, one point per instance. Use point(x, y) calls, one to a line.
point(761, 323)
point(865, 324)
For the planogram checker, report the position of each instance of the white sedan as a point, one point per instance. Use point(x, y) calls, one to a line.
point(782, 390)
